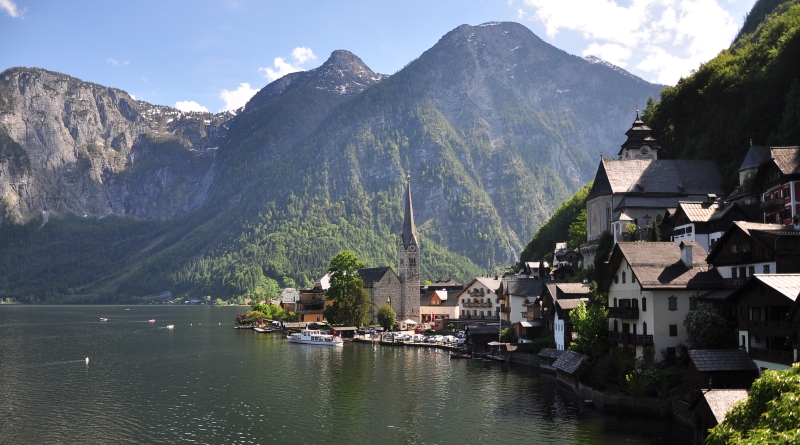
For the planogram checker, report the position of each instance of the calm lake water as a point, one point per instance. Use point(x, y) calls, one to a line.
point(205, 382)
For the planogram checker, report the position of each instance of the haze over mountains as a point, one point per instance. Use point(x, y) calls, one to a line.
point(494, 126)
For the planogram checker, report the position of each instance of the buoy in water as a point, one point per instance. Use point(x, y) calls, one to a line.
point(87, 360)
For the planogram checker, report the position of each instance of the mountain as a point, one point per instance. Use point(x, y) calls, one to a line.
point(493, 125)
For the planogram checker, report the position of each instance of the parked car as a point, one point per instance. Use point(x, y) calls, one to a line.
point(437, 338)
point(418, 338)
point(449, 339)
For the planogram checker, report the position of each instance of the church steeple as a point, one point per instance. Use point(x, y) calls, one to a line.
point(409, 234)
point(640, 145)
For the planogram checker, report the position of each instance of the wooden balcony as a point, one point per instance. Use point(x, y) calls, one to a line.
point(629, 313)
point(733, 258)
point(769, 328)
point(772, 204)
point(732, 283)
point(772, 355)
point(504, 309)
point(633, 339)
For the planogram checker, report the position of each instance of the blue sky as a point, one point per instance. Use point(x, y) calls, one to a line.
point(215, 55)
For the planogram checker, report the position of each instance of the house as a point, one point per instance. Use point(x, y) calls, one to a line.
point(479, 300)
point(721, 369)
point(711, 408)
point(778, 182)
point(651, 288)
point(638, 187)
point(704, 221)
point(533, 269)
point(289, 298)
point(382, 285)
point(311, 301)
point(439, 305)
point(764, 327)
point(479, 337)
point(749, 248)
point(556, 301)
point(515, 292)
point(550, 355)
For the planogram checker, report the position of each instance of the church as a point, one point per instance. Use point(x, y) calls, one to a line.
point(408, 265)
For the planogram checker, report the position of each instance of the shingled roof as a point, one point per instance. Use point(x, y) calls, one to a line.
point(569, 361)
point(764, 234)
point(722, 360)
point(658, 265)
point(526, 287)
point(720, 401)
point(551, 353)
point(373, 275)
point(787, 159)
point(451, 297)
point(703, 211)
point(657, 176)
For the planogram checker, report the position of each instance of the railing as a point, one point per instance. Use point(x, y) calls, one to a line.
point(772, 355)
point(734, 257)
point(772, 204)
point(635, 339)
point(504, 309)
point(624, 312)
point(780, 328)
point(733, 282)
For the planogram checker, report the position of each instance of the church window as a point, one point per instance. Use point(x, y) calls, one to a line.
point(623, 277)
point(608, 216)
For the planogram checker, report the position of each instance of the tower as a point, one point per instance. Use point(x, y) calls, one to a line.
point(408, 264)
point(640, 145)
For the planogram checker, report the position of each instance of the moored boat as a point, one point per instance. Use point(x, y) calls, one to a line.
point(103, 319)
point(315, 337)
point(170, 326)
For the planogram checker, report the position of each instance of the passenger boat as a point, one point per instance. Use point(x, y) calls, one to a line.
point(103, 319)
point(170, 326)
point(315, 337)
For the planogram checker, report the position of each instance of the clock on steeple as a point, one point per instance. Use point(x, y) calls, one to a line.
point(640, 145)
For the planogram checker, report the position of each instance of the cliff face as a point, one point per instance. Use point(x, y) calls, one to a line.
point(92, 150)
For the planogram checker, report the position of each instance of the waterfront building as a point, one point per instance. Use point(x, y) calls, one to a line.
point(479, 300)
point(711, 408)
point(651, 288)
point(311, 301)
point(439, 304)
point(557, 300)
point(720, 368)
point(408, 265)
point(517, 290)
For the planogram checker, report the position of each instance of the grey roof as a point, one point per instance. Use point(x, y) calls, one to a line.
point(526, 287)
point(658, 265)
point(483, 330)
point(703, 211)
point(657, 176)
point(787, 284)
point(754, 157)
point(720, 401)
point(409, 229)
point(373, 275)
point(550, 353)
point(706, 360)
point(569, 361)
point(648, 202)
point(569, 304)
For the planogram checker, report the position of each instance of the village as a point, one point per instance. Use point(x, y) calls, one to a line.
point(679, 255)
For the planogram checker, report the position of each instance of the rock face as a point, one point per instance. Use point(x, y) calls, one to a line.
point(95, 151)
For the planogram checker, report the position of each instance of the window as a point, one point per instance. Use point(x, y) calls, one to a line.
point(673, 330)
point(734, 272)
point(752, 270)
point(616, 326)
point(673, 304)
point(616, 279)
point(692, 303)
point(786, 192)
point(742, 272)
point(615, 301)
point(755, 314)
point(633, 278)
point(644, 304)
point(766, 268)
point(644, 328)
point(635, 302)
point(623, 277)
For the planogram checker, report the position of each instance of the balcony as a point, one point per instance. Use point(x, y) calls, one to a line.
point(504, 309)
point(631, 313)
point(635, 339)
point(731, 283)
point(772, 204)
point(779, 328)
point(734, 258)
point(772, 355)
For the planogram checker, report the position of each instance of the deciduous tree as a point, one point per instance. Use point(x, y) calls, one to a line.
point(386, 316)
point(350, 302)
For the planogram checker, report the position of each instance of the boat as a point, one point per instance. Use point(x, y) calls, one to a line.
point(315, 337)
point(103, 319)
point(170, 326)
point(460, 356)
point(152, 320)
point(262, 330)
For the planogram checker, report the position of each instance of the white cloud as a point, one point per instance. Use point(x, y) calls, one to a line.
point(281, 67)
point(113, 61)
point(190, 105)
point(10, 8)
point(610, 52)
point(663, 38)
point(237, 98)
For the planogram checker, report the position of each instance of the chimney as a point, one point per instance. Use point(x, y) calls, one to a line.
point(686, 255)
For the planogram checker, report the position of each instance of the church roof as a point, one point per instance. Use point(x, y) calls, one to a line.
point(373, 275)
point(648, 202)
point(409, 230)
point(657, 177)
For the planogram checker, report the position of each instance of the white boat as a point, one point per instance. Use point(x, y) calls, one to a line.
point(103, 319)
point(170, 326)
point(315, 337)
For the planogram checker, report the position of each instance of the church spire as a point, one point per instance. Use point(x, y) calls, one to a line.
point(409, 230)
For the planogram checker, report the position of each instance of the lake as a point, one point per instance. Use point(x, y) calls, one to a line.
point(205, 382)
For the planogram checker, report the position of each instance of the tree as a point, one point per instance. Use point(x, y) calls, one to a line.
point(604, 246)
point(706, 329)
point(769, 415)
point(386, 316)
point(591, 325)
point(350, 302)
point(577, 230)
